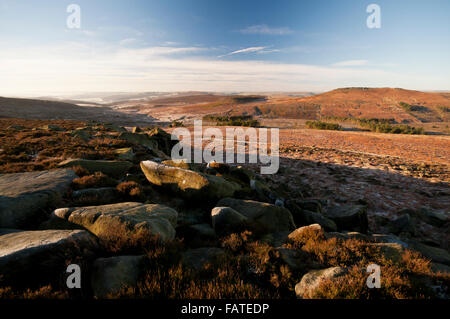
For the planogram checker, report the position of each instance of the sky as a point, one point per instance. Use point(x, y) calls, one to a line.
point(221, 45)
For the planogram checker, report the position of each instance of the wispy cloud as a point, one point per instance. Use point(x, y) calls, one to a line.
point(246, 50)
point(265, 29)
point(351, 63)
point(257, 50)
point(74, 68)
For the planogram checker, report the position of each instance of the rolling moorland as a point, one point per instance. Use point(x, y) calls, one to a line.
point(94, 185)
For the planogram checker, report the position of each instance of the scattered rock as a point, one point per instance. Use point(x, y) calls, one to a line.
point(436, 254)
point(104, 220)
point(401, 224)
point(301, 230)
point(52, 128)
point(24, 195)
point(263, 192)
point(312, 280)
point(306, 217)
point(163, 140)
point(114, 127)
point(16, 127)
point(226, 219)
point(433, 217)
point(349, 217)
point(111, 275)
point(99, 195)
point(39, 255)
point(125, 153)
point(276, 239)
point(310, 205)
point(188, 183)
point(242, 174)
point(383, 238)
point(294, 259)
point(178, 163)
point(220, 168)
point(144, 140)
point(392, 251)
point(347, 235)
point(266, 217)
point(111, 168)
point(83, 133)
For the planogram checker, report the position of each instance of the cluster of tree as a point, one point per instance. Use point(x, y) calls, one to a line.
point(236, 120)
point(319, 125)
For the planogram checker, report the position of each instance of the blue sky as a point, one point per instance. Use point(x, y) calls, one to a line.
point(179, 45)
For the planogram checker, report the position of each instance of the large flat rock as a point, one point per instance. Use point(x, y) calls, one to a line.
point(349, 217)
point(130, 218)
point(188, 183)
point(37, 255)
point(23, 195)
point(264, 216)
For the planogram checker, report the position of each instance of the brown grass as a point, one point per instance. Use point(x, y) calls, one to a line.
point(166, 277)
point(97, 179)
point(409, 277)
point(29, 150)
point(46, 292)
point(131, 190)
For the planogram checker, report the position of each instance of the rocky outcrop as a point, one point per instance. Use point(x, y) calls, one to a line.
point(392, 251)
point(226, 219)
point(178, 163)
point(25, 195)
point(99, 195)
point(307, 217)
point(163, 140)
point(111, 168)
point(111, 275)
point(125, 153)
point(304, 230)
point(293, 258)
point(39, 255)
point(402, 223)
point(436, 254)
point(84, 133)
point(263, 216)
point(128, 218)
point(311, 281)
point(432, 217)
point(187, 183)
point(349, 217)
point(144, 140)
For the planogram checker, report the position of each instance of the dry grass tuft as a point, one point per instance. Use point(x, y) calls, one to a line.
point(131, 190)
point(46, 292)
point(408, 277)
point(97, 179)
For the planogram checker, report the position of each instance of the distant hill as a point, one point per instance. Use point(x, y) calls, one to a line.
point(400, 104)
point(53, 110)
